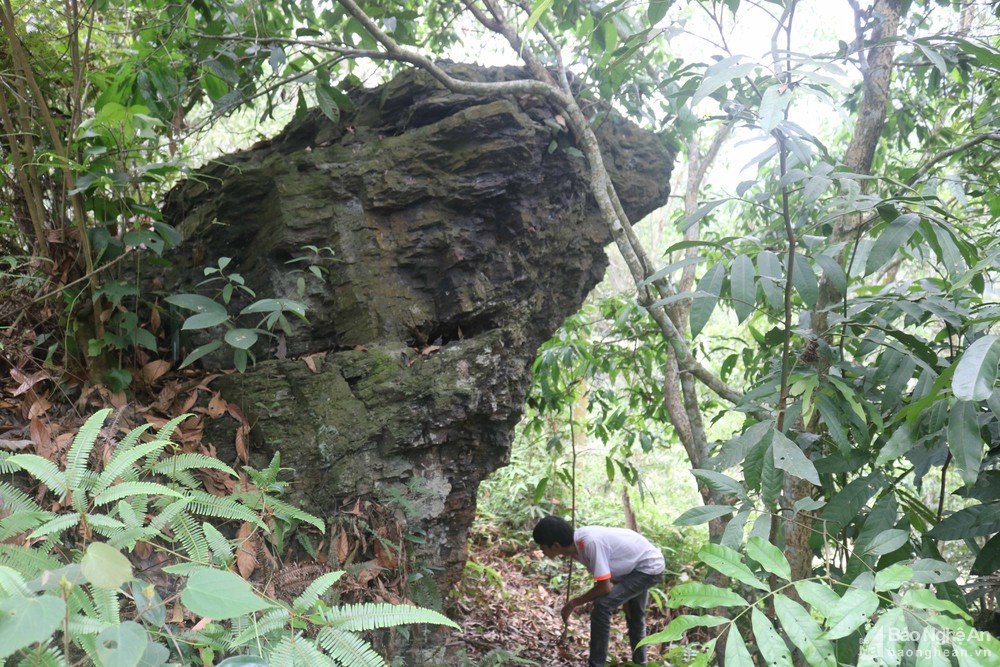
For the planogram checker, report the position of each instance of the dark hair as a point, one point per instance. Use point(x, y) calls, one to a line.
point(552, 530)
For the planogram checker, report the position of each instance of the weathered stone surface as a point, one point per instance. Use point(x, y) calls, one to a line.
point(453, 225)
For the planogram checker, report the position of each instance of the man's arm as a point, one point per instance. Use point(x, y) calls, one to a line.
point(599, 590)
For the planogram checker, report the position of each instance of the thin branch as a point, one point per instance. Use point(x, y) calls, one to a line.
point(954, 150)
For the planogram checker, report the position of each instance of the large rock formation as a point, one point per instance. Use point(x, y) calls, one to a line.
point(462, 234)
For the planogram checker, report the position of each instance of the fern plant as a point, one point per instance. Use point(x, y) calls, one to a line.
point(63, 605)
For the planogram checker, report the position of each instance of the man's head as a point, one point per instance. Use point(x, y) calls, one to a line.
point(555, 536)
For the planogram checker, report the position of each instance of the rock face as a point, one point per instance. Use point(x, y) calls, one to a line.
point(462, 235)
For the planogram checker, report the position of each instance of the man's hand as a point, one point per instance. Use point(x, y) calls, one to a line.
point(567, 611)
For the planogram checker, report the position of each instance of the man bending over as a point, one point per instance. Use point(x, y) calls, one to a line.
point(624, 564)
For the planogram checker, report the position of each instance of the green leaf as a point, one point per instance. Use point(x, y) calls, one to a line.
point(729, 563)
point(200, 352)
point(893, 577)
point(221, 595)
point(681, 624)
point(27, 620)
point(737, 654)
point(656, 10)
point(702, 306)
point(275, 306)
point(883, 642)
point(695, 594)
point(243, 661)
point(770, 557)
point(804, 632)
point(122, 645)
point(742, 286)
point(205, 320)
point(965, 441)
point(773, 103)
point(851, 612)
point(925, 599)
point(105, 566)
point(327, 103)
point(685, 223)
point(721, 484)
point(703, 514)
point(988, 560)
point(196, 302)
point(772, 278)
point(901, 441)
point(720, 74)
point(887, 541)
point(895, 235)
point(241, 339)
point(933, 571)
point(536, 14)
point(804, 280)
point(790, 458)
point(770, 643)
point(822, 599)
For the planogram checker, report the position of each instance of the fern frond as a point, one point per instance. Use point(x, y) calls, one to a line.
point(280, 508)
point(29, 561)
point(6, 467)
point(57, 525)
point(304, 602)
point(348, 650)
point(170, 466)
point(371, 616)
point(283, 654)
point(167, 431)
point(126, 489)
point(20, 522)
point(106, 605)
point(169, 512)
point(132, 437)
point(43, 656)
point(220, 546)
point(43, 470)
point(12, 584)
point(123, 460)
point(274, 620)
point(192, 538)
point(86, 624)
point(220, 507)
point(16, 500)
point(309, 654)
point(83, 444)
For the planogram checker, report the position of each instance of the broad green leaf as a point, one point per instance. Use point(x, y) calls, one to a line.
point(656, 10)
point(729, 563)
point(122, 645)
point(221, 595)
point(742, 286)
point(703, 306)
point(804, 280)
point(773, 103)
point(933, 571)
point(925, 599)
point(790, 458)
point(901, 441)
point(988, 560)
point(327, 103)
point(243, 661)
point(821, 598)
point(969, 522)
point(850, 613)
point(536, 14)
point(772, 278)
point(720, 74)
point(804, 632)
point(677, 627)
point(205, 320)
point(772, 479)
point(196, 302)
point(241, 339)
point(965, 441)
point(737, 654)
point(275, 306)
point(882, 646)
point(105, 566)
point(976, 373)
point(834, 272)
point(770, 643)
point(685, 223)
point(703, 514)
point(698, 595)
point(895, 235)
point(722, 484)
point(930, 652)
point(200, 352)
point(27, 620)
point(770, 557)
point(893, 577)
point(847, 504)
point(155, 655)
point(887, 541)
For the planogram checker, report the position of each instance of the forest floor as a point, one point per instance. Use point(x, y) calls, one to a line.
point(508, 607)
